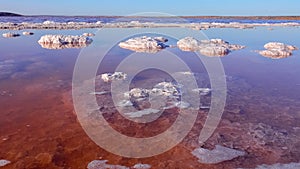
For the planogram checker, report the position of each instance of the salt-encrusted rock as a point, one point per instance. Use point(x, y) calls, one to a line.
point(10, 35)
point(217, 155)
point(276, 50)
point(27, 33)
point(108, 77)
point(4, 162)
point(137, 93)
point(88, 34)
point(141, 166)
point(202, 91)
point(101, 164)
point(279, 166)
point(212, 47)
point(188, 44)
point(144, 44)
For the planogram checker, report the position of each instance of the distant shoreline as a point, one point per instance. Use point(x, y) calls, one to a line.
point(9, 14)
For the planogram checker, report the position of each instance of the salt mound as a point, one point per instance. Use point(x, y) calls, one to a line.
point(144, 44)
point(108, 77)
point(213, 47)
point(4, 163)
point(10, 35)
point(276, 50)
point(64, 39)
point(217, 155)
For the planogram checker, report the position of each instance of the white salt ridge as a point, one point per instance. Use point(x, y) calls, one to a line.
point(144, 44)
point(4, 162)
point(217, 155)
point(99, 93)
point(212, 47)
point(277, 50)
point(137, 24)
point(108, 77)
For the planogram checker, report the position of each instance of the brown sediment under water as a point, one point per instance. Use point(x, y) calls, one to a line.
point(39, 126)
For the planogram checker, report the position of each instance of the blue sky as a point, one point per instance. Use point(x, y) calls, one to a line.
point(174, 7)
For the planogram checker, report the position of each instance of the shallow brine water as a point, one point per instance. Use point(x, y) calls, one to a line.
point(39, 127)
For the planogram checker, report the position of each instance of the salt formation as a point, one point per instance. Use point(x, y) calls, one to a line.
point(64, 41)
point(101, 164)
point(4, 163)
point(10, 35)
point(108, 77)
point(276, 50)
point(213, 47)
point(202, 91)
point(217, 155)
point(27, 33)
point(144, 44)
point(141, 113)
point(141, 166)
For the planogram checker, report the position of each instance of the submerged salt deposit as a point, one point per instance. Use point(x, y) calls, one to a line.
point(102, 164)
point(4, 162)
point(217, 155)
point(277, 50)
point(212, 47)
point(279, 166)
point(144, 44)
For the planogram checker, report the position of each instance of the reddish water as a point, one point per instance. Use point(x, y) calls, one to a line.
point(39, 128)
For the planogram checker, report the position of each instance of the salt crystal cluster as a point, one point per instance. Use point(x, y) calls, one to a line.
point(212, 47)
point(144, 44)
point(108, 77)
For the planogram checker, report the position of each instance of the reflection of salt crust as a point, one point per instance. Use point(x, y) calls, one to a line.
point(217, 155)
